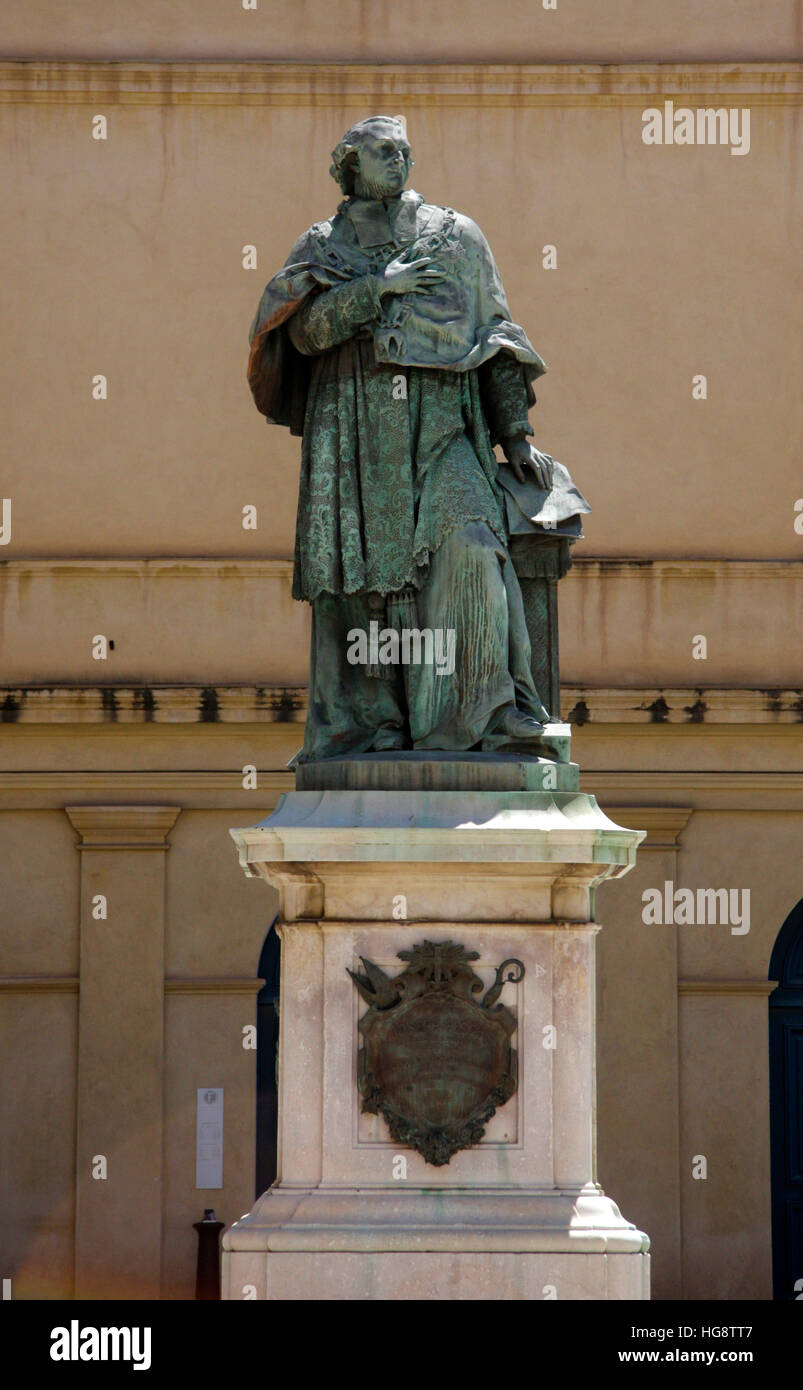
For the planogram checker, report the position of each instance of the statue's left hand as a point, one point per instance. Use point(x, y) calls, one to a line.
point(521, 454)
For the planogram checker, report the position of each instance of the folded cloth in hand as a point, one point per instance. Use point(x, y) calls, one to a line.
point(530, 507)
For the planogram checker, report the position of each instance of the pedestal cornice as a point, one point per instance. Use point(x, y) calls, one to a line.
point(518, 856)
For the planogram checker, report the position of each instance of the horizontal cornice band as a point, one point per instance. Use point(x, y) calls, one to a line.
point(156, 780)
point(420, 84)
point(39, 984)
point(590, 708)
point(685, 706)
point(656, 801)
point(237, 567)
point(140, 567)
point(747, 780)
point(154, 704)
point(742, 987)
point(70, 984)
point(217, 984)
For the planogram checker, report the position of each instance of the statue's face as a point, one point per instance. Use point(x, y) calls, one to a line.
point(384, 162)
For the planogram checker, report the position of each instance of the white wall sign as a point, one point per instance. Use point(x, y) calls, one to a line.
point(209, 1137)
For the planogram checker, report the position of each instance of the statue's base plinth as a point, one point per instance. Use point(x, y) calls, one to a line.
point(545, 767)
point(510, 875)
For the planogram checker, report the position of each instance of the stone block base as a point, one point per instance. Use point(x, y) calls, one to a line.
point(311, 1276)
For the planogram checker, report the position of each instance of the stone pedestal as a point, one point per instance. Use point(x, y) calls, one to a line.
point(508, 872)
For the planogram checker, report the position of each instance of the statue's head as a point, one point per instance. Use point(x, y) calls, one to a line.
point(373, 160)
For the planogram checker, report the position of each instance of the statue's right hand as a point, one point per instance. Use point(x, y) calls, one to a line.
point(405, 277)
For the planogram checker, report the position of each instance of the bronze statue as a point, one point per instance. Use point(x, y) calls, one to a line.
point(386, 342)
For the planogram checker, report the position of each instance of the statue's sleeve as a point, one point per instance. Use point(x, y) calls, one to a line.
point(334, 316)
point(506, 397)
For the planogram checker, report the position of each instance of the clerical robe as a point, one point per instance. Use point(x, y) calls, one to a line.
point(401, 518)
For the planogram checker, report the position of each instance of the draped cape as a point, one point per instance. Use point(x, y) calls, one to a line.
point(458, 326)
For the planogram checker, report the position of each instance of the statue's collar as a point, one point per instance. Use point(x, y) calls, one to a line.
point(377, 222)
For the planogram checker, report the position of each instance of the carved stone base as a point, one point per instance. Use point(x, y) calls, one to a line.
point(354, 1212)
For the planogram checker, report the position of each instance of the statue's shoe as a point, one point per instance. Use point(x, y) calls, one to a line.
point(388, 743)
point(517, 727)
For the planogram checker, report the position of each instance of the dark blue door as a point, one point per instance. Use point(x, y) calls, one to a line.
point(267, 1056)
point(786, 1108)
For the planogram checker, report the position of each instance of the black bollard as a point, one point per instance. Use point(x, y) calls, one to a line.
point(207, 1275)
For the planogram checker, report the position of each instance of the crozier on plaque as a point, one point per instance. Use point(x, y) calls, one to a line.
point(435, 1062)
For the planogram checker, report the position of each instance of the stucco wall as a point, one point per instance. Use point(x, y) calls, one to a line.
point(125, 259)
point(413, 32)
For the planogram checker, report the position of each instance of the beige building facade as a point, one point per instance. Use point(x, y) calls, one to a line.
point(150, 650)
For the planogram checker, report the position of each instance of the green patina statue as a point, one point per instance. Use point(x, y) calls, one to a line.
point(386, 343)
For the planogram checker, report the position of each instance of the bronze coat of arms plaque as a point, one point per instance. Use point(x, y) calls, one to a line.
point(435, 1061)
